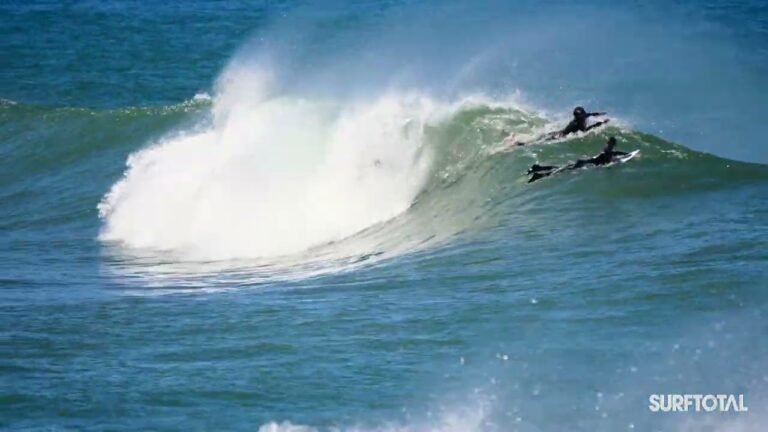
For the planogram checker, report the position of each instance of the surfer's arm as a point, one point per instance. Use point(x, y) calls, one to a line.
point(598, 124)
point(618, 153)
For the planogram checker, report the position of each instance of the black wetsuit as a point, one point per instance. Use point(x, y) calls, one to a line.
point(605, 157)
point(579, 124)
point(576, 125)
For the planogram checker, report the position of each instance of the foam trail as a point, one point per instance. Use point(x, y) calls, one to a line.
point(272, 175)
point(460, 420)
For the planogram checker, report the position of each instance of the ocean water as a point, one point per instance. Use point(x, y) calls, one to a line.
point(303, 216)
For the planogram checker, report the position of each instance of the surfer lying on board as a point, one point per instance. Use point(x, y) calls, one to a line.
point(605, 157)
point(578, 124)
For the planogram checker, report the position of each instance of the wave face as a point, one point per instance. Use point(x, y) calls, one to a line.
point(268, 176)
point(303, 217)
point(258, 178)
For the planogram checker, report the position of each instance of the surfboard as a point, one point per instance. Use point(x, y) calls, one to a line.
point(626, 157)
point(511, 142)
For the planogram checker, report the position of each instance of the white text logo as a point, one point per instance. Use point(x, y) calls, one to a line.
point(697, 402)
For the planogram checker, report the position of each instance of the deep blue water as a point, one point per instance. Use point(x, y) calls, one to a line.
point(296, 216)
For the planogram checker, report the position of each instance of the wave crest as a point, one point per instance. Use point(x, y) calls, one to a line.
point(273, 177)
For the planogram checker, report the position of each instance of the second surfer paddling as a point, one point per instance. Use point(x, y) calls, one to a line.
point(605, 157)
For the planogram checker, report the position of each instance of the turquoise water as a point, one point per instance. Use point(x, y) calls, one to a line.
point(297, 216)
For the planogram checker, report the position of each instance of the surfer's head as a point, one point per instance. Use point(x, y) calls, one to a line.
point(611, 142)
point(579, 112)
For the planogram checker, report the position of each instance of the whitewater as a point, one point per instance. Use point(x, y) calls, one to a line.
point(273, 177)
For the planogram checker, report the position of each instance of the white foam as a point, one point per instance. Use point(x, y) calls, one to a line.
point(273, 175)
point(462, 420)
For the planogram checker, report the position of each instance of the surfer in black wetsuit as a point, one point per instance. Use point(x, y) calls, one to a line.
point(605, 157)
point(579, 123)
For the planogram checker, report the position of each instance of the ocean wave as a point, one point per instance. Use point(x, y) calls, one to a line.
point(255, 174)
point(270, 175)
